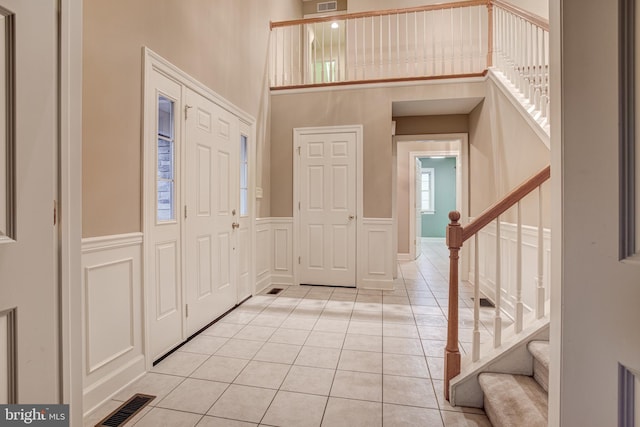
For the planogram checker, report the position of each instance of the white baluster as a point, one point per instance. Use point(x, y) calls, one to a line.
point(540, 294)
point(364, 49)
point(424, 43)
point(476, 301)
point(355, 48)
point(519, 304)
point(497, 320)
point(381, 50)
point(339, 65)
point(373, 48)
point(415, 43)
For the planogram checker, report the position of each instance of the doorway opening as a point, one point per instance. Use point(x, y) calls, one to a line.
point(410, 215)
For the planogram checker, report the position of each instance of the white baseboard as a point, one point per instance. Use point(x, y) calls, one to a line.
point(404, 257)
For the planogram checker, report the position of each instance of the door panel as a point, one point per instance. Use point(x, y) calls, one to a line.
point(164, 281)
point(211, 167)
point(327, 209)
point(28, 285)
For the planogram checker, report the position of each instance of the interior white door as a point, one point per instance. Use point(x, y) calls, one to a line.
point(417, 206)
point(28, 258)
point(164, 273)
point(212, 180)
point(327, 209)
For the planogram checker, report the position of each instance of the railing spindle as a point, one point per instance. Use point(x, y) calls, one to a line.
point(497, 320)
point(476, 300)
point(519, 304)
point(540, 294)
point(452, 352)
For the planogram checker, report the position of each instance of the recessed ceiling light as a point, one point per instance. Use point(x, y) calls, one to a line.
point(334, 25)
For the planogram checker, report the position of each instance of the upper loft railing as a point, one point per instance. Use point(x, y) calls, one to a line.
point(435, 41)
point(457, 235)
point(458, 39)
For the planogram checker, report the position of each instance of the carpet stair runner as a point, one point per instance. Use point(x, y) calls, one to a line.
point(519, 400)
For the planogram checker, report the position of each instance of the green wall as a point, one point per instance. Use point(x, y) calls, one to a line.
point(434, 225)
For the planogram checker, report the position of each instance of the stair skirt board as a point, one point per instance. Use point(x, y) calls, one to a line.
point(511, 358)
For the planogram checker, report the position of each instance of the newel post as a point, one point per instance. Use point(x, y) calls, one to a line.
point(452, 352)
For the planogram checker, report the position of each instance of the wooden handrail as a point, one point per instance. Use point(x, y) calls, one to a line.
point(440, 6)
point(505, 203)
point(527, 16)
point(456, 236)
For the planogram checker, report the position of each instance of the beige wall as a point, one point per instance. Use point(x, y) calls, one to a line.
point(223, 44)
point(370, 107)
point(504, 151)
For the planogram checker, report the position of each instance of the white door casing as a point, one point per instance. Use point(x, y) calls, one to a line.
point(458, 147)
point(213, 250)
point(327, 206)
point(212, 145)
point(29, 260)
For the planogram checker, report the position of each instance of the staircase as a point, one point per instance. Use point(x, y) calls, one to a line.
point(519, 400)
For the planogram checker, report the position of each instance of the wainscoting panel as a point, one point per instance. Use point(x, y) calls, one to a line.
point(487, 264)
point(376, 255)
point(263, 253)
point(112, 315)
point(7, 357)
point(282, 251)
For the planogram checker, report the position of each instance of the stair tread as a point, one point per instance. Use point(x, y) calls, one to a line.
point(540, 350)
point(514, 400)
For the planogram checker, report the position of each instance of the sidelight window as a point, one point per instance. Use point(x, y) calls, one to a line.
point(244, 177)
point(166, 160)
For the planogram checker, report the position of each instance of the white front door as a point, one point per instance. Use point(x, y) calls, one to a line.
point(212, 175)
point(29, 294)
point(327, 208)
point(164, 215)
point(197, 207)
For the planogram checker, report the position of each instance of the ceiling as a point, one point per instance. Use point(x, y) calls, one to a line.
point(434, 107)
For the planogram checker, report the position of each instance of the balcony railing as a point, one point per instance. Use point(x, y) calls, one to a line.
point(425, 42)
point(459, 39)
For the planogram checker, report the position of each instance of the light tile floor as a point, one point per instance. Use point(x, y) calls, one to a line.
point(318, 356)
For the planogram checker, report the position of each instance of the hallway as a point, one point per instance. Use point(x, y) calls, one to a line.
point(312, 356)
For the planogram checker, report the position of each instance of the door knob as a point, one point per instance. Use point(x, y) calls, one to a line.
point(235, 225)
point(351, 217)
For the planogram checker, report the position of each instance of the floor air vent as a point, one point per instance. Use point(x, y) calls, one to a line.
point(126, 411)
point(275, 291)
point(485, 302)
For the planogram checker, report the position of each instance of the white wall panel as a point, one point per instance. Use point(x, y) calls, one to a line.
point(282, 250)
point(376, 254)
point(487, 263)
point(263, 253)
point(112, 315)
point(4, 361)
point(109, 311)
